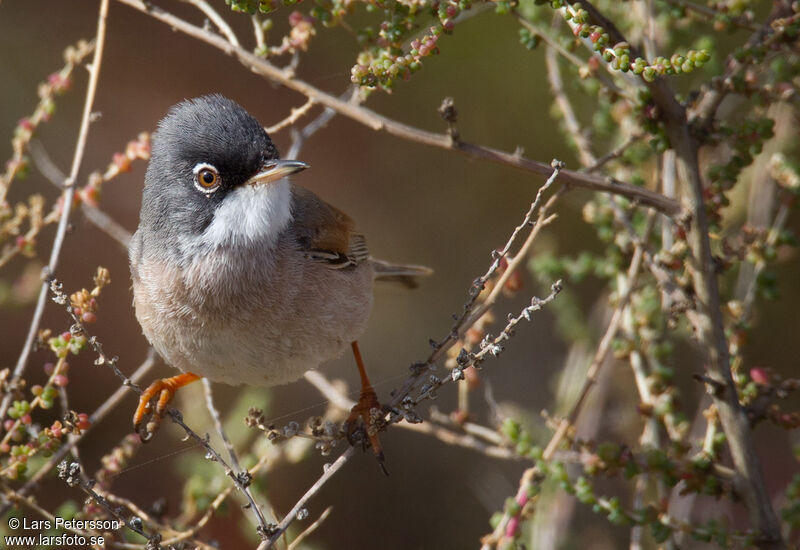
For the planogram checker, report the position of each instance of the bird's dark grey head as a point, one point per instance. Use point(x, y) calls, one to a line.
point(203, 150)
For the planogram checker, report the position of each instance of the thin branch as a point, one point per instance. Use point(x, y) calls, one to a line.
point(600, 356)
point(380, 123)
point(324, 386)
point(66, 197)
point(295, 114)
point(299, 137)
point(471, 310)
point(613, 154)
point(446, 435)
point(463, 440)
point(107, 224)
point(242, 477)
point(71, 473)
point(711, 13)
point(582, 143)
point(311, 528)
point(213, 507)
point(258, 31)
point(215, 416)
point(217, 19)
point(329, 472)
point(97, 217)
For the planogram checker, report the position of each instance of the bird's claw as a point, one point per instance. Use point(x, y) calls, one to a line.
point(366, 419)
point(161, 391)
point(146, 420)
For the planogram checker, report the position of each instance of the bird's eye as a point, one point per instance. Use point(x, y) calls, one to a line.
point(206, 178)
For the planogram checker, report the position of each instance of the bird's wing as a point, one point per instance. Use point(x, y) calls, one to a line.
point(324, 233)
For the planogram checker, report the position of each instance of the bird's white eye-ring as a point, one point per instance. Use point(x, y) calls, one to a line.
point(206, 178)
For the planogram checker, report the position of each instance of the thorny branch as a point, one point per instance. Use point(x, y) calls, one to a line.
point(402, 405)
point(470, 309)
point(71, 473)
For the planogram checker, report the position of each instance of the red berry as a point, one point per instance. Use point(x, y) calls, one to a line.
point(760, 376)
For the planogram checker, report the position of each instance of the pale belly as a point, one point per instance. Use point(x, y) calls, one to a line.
point(267, 329)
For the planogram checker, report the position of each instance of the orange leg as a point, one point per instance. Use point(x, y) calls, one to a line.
point(164, 389)
point(368, 411)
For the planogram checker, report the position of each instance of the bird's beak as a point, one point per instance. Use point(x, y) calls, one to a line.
point(274, 170)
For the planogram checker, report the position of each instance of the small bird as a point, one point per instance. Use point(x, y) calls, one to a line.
point(238, 275)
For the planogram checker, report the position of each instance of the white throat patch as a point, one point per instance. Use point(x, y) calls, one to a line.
point(251, 214)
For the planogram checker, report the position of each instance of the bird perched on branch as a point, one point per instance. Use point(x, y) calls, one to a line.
point(239, 275)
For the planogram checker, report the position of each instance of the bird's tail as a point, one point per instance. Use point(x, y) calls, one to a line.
point(403, 274)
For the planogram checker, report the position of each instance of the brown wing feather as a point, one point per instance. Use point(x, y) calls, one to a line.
point(325, 232)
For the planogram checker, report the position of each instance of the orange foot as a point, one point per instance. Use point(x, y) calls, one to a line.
point(366, 416)
point(163, 389)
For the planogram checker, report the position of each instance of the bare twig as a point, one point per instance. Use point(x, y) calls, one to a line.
point(463, 440)
point(213, 507)
point(242, 478)
point(582, 143)
point(97, 217)
point(296, 114)
point(311, 528)
point(258, 31)
point(217, 19)
point(107, 224)
point(329, 472)
point(600, 355)
point(614, 153)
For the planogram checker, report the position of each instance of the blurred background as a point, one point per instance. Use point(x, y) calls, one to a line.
point(415, 204)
